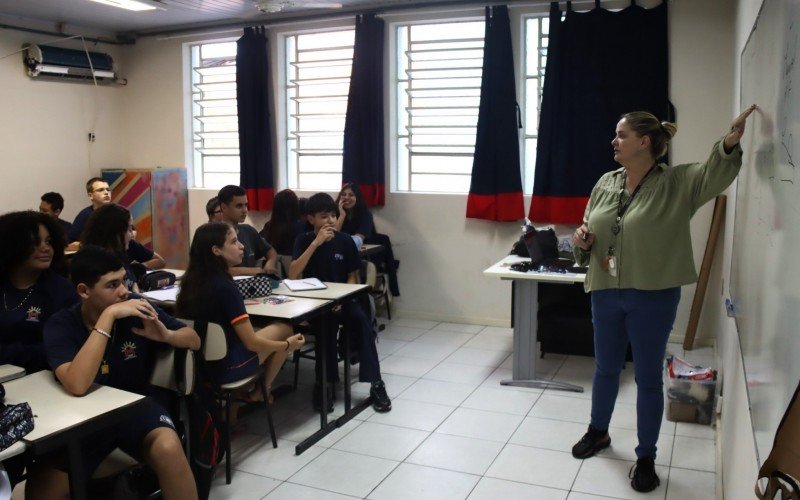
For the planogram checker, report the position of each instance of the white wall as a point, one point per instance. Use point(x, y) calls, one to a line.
point(44, 131)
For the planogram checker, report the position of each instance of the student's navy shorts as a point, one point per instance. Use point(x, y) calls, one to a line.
point(127, 435)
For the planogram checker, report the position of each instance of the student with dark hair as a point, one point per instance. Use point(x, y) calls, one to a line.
point(354, 218)
point(99, 194)
point(213, 211)
point(110, 227)
point(52, 204)
point(111, 338)
point(32, 292)
point(209, 293)
point(284, 224)
point(233, 203)
point(330, 255)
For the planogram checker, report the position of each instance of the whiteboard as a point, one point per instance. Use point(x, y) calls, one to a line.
point(765, 266)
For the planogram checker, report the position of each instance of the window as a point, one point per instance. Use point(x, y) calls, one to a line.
point(536, 31)
point(438, 86)
point(318, 69)
point(215, 129)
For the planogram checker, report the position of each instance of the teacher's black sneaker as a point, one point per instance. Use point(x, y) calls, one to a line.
point(380, 400)
point(643, 475)
point(593, 441)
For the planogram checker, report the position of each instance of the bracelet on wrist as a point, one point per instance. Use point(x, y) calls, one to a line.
point(288, 345)
point(102, 332)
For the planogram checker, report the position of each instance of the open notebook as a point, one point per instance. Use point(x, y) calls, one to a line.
point(304, 284)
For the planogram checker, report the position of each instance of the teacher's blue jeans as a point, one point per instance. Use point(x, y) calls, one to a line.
point(645, 317)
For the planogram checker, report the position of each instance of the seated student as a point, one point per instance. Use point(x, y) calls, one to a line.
point(32, 292)
point(111, 227)
point(284, 224)
point(354, 218)
point(99, 195)
point(233, 202)
point(330, 255)
point(110, 338)
point(213, 211)
point(140, 254)
point(52, 204)
point(208, 292)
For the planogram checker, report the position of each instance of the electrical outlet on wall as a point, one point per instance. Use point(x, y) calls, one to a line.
point(91, 137)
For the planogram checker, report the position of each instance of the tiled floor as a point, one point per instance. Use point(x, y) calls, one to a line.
point(454, 432)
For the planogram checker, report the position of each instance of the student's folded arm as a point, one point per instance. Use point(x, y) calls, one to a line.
point(352, 278)
point(299, 264)
point(157, 262)
point(78, 375)
point(184, 338)
point(245, 271)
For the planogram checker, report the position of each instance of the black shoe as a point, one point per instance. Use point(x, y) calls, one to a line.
point(380, 400)
point(317, 397)
point(643, 475)
point(593, 441)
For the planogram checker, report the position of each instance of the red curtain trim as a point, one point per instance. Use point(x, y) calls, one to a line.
point(374, 194)
point(558, 209)
point(260, 199)
point(503, 207)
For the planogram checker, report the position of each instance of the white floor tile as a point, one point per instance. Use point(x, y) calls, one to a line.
point(492, 341)
point(458, 373)
point(395, 384)
point(278, 463)
point(694, 454)
point(625, 441)
point(492, 399)
point(306, 424)
point(549, 434)
point(575, 495)
point(414, 323)
point(421, 483)
point(458, 327)
point(289, 491)
point(382, 441)
point(243, 486)
point(402, 333)
point(435, 352)
point(691, 485)
point(480, 424)
point(493, 489)
point(387, 347)
point(608, 477)
point(408, 367)
point(413, 414)
point(493, 381)
point(553, 469)
point(438, 392)
point(562, 408)
point(456, 453)
point(444, 337)
point(498, 330)
point(343, 472)
point(478, 357)
point(695, 430)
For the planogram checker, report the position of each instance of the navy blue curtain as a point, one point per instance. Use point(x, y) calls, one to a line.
point(600, 64)
point(252, 101)
point(363, 150)
point(495, 191)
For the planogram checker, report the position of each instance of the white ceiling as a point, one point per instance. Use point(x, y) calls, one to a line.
point(71, 15)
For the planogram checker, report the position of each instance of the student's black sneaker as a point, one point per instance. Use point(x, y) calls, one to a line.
point(593, 441)
point(317, 397)
point(643, 475)
point(380, 400)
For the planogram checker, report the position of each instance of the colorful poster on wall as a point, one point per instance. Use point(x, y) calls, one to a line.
point(171, 216)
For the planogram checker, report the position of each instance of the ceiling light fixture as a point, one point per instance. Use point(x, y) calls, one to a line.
point(134, 5)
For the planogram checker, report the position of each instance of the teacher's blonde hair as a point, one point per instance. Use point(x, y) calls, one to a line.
point(646, 124)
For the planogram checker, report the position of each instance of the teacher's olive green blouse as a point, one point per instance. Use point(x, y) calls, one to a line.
point(653, 249)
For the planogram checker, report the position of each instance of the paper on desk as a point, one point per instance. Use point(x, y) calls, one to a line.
point(164, 295)
point(304, 284)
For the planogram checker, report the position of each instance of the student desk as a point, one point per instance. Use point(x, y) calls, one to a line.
point(63, 420)
point(368, 249)
point(336, 292)
point(524, 315)
point(10, 372)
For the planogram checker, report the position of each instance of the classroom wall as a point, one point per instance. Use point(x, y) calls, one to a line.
point(44, 131)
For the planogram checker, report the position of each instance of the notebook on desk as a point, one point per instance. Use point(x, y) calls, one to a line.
point(304, 284)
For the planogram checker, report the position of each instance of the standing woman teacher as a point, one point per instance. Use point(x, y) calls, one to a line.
point(636, 242)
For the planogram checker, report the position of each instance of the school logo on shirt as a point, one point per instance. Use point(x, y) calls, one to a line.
point(33, 314)
point(338, 256)
point(128, 350)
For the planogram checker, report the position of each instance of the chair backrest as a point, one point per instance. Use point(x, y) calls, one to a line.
point(371, 278)
point(164, 370)
point(216, 346)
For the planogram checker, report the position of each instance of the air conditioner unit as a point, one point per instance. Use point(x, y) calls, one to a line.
point(56, 62)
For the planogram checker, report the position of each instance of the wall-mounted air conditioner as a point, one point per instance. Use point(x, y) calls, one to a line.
point(43, 61)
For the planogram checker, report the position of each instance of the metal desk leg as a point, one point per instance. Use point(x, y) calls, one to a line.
point(525, 311)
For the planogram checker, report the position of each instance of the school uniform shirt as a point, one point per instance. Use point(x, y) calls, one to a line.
point(363, 224)
point(653, 249)
point(78, 224)
point(226, 307)
point(332, 261)
point(129, 356)
point(255, 247)
point(66, 227)
point(138, 253)
point(23, 317)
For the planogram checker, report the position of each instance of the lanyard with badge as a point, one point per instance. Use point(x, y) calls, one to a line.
point(610, 262)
